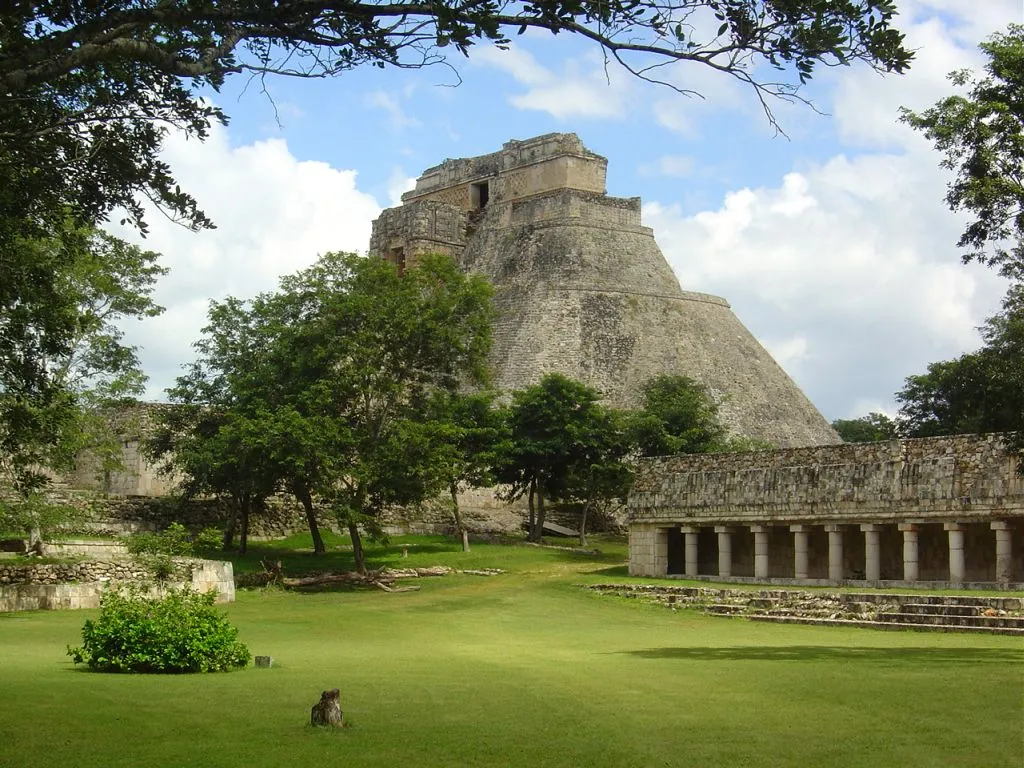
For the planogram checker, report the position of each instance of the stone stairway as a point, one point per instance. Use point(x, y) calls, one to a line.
point(876, 610)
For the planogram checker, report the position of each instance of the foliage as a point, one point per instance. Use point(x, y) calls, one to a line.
point(560, 437)
point(866, 429)
point(34, 513)
point(980, 135)
point(677, 415)
point(325, 387)
point(981, 391)
point(179, 632)
point(62, 355)
point(175, 541)
point(474, 431)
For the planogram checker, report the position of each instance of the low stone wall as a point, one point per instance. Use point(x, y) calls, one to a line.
point(61, 586)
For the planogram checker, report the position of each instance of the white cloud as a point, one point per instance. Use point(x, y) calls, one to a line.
point(398, 183)
point(849, 264)
point(583, 89)
point(274, 215)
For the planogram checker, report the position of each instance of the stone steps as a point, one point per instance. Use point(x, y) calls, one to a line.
point(878, 610)
point(892, 625)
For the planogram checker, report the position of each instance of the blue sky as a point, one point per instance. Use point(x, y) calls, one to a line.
point(832, 245)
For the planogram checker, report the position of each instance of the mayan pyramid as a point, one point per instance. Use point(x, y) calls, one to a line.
point(583, 289)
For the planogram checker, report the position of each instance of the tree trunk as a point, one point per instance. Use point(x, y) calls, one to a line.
point(229, 531)
point(243, 534)
point(540, 516)
point(583, 524)
point(357, 547)
point(454, 489)
point(304, 497)
point(533, 516)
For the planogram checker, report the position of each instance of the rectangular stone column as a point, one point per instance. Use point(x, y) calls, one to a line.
point(661, 551)
point(872, 551)
point(957, 561)
point(760, 551)
point(835, 552)
point(724, 550)
point(910, 568)
point(1004, 551)
point(690, 532)
point(800, 567)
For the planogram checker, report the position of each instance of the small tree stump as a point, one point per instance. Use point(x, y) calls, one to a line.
point(327, 711)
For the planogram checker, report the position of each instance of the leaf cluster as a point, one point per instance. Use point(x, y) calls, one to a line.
point(981, 135)
point(179, 632)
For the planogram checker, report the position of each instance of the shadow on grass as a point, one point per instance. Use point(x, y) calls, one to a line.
point(891, 656)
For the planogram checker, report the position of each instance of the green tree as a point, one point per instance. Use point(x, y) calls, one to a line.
point(474, 433)
point(57, 375)
point(866, 429)
point(334, 376)
point(981, 391)
point(981, 137)
point(677, 415)
point(557, 432)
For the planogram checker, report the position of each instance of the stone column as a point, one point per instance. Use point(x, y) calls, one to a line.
point(800, 569)
point(760, 550)
point(724, 550)
point(690, 532)
point(957, 562)
point(835, 552)
point(872, 551)
point(1004, 551)
point(661, 551)
point(910, 569)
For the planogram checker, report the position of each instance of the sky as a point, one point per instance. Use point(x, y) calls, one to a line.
point(832, 243)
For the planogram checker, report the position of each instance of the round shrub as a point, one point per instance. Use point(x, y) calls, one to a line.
point(179, 632)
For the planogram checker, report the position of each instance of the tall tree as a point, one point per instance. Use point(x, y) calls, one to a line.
point(57, 373)
point(334, 375)
point(556, 431)
point(981, 135)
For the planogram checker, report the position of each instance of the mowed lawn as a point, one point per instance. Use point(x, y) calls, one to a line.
point(521, 669)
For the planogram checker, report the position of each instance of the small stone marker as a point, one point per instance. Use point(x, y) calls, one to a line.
point(405, 551)
point(327, 711)
point(264, 662)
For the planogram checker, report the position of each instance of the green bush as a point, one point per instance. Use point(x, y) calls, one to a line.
point(180, 632)
point(173, 542)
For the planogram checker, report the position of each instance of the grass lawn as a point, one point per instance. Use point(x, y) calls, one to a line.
point(522, 669)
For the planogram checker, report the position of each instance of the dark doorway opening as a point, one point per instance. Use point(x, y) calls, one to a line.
point(479, 193)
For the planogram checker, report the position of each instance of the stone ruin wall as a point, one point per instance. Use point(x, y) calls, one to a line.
point(81, 585)
point(961, 477)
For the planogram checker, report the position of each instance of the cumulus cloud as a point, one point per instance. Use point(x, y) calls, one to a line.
point(845, 271)
point(583, 89)
point(274, 215)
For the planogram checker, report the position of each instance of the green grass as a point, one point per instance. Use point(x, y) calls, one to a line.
point(522, 669)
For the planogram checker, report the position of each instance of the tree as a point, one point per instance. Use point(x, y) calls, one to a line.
point(866, 429)
point(677, 415)
point(603, 475)
point(62, 355)
point(474, 435)
point(982, 391)
point(981, 135)
point(333, 376)
point(556, 432)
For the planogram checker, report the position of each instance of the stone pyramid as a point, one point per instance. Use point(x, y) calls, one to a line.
point(583, 289)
